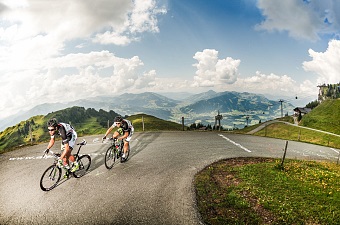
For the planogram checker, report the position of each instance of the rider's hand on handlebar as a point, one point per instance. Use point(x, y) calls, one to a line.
point(103, 138)
point(46, 151)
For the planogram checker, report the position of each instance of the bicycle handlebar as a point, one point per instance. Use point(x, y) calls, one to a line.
point(50, 151)
point(57, 155)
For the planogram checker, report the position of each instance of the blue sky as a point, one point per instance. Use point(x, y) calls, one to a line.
point(59, 51)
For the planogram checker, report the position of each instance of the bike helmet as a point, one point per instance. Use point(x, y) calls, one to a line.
point(118, 119)
point(52, 123)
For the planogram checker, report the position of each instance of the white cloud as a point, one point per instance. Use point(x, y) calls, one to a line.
point(301, 19)
point(212, 71)
point(271, 83)
point(33, 36)
point(71, 77)
point(142, 18)
point(275, 85)
point(325, 64)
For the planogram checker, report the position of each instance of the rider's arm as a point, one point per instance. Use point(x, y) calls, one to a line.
point(125, 135)
point(51, 143)
point(109, 130)
point(67, 148)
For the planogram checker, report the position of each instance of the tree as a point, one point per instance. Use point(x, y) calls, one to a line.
point(312, 104)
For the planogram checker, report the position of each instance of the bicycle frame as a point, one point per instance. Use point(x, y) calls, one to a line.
point(76, 156)
point(114, 152)
point(52, 174)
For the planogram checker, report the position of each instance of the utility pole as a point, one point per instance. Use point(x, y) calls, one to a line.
point(218, 118)
point(281, 107)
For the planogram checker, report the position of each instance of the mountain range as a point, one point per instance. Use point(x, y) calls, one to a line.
point(237, 109)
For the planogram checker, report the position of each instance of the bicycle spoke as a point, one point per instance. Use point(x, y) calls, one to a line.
point(110, 157)
point(84, 164)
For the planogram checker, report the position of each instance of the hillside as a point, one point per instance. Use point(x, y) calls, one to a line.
point(85, 121)
point(235, 108)
point(324, 117)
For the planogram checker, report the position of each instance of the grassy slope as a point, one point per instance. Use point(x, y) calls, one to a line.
point(324, 117)
point(259, 191)
point(152, 123)
point(11, 138)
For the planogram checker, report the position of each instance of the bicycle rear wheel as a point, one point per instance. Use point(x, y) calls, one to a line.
point(110, 157)
point(84, 165)
point(50, 178)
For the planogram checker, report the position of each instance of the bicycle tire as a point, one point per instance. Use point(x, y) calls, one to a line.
point(84, 165)
point(110, 157)
point(50, 178)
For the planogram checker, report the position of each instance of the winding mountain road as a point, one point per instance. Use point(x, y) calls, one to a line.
point(154, 187)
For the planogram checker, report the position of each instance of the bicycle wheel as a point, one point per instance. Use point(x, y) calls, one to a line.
point(110, 157)
point(84, 165)
point(50, 178)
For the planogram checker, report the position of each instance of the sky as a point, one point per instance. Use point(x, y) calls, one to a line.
point(60, 51)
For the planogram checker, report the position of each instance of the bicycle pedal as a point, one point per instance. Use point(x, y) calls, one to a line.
point(66, 175)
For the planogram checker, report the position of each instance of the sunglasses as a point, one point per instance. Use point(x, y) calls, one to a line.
point(51, 129)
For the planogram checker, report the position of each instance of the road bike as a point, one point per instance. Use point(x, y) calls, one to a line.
point(52, 174)
point(115, 152)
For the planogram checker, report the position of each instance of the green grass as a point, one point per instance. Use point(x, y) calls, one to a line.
point(295, 133)
point(152, 123)
point(258, 191)
point(12, 138)
point(324, 117)
point(89, 126)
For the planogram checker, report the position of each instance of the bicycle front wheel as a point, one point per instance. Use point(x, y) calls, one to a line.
point(50, 178)
point(84, 165)
point(110, 157)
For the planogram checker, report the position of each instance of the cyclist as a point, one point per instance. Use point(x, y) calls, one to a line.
point(124, 132)
point(69, 137)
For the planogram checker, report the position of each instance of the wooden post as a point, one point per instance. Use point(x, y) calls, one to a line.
point(284, 154)
point(143, 122)
point(338, 159)
point(108, 124)
point(30, 130)
point(183, 123)
point(328, 140)
point(299, 134)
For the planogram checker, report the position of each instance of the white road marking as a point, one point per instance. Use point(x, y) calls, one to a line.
point(335, 150)
point(233, 142)
point(47, 157)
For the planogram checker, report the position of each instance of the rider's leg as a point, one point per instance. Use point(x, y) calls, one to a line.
point(71, 143)
point(67, 156)
point(70, 156)
point(126, 146)
point(127, 143)
point(115, 134)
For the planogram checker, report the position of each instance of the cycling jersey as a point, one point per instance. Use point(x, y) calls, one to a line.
point(67, 133)
point(126, 126)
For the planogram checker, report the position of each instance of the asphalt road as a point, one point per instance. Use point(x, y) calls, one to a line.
point(153, 187)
